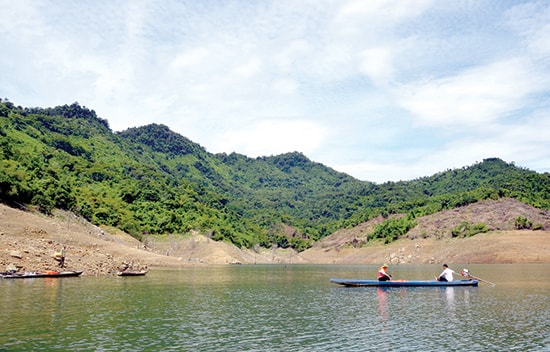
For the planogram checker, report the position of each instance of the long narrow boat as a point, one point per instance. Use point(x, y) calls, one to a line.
point(132, 273)
point(402, 283)
point(32, 275)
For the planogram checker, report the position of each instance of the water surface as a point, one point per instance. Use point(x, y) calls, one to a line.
point(278, 308)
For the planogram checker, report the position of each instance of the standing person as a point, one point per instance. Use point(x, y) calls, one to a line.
point(383, 274)
point(446, 274)
point(62, 257)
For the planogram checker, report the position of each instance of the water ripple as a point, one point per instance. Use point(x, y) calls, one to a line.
point(266, 309)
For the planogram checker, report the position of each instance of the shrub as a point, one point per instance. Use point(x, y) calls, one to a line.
point(522, 223)
point(466, 229)
point(392, 229)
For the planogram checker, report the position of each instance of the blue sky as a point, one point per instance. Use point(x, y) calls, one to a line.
point(382, 90)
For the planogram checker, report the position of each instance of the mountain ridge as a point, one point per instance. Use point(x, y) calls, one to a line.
point(151, 181)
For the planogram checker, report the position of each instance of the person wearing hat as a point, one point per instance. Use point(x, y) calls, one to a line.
point(383, 274)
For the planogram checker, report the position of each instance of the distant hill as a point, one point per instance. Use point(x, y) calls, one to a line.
point(29, 240)
point(503, 214)
point(149, 181)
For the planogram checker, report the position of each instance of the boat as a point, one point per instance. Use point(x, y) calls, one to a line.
point(402, 283)
point(37, 274)
point(132, 273)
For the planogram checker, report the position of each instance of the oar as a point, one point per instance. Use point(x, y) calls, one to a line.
point(466, 273)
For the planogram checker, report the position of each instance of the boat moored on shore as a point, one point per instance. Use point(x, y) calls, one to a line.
point(132, 273)
point(39, 274)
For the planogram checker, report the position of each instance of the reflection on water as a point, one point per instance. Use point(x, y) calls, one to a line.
point(383, 304)
point(450, 296)
point(275, 308)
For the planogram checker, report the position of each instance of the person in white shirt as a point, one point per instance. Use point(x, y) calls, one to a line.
point(446, 275)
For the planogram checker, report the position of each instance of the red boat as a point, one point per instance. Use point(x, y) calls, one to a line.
point(36, 274)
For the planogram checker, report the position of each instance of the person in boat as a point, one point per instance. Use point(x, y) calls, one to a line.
point(10, 269)
point(124, 267)
point(383, 274)
point(446, 274)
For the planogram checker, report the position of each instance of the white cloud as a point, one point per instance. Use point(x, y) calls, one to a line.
point(531, 20)
point(384, 90)
point(388, 12)
point(249, 69)
point(377, 63)
point(271, 137)
point(289, 57)
point(518, 142)
point(190, 58)
point(285, 86)
point(475, 96)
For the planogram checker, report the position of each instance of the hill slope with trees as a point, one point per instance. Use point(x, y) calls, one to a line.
point(151, 181)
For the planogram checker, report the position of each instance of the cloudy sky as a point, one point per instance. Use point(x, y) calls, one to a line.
point(382, 90)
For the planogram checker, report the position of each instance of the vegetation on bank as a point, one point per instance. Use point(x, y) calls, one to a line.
point(150, 180)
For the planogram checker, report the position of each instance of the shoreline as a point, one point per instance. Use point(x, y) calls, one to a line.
point(30, 240)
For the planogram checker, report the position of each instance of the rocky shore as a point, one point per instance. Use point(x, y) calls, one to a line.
point(29, 241)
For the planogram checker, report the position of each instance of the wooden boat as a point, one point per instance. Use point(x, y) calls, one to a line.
point(132, 273)
point(402, 283)
point(31, 275)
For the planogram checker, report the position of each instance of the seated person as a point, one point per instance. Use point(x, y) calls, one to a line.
point(382, 274)
point(446, 275)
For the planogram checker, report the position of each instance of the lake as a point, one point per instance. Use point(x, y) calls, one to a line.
point(278, 308)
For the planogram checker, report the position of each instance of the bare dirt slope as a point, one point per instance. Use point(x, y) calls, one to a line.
point(431, 241)
point(29, 240)
point(494, 247)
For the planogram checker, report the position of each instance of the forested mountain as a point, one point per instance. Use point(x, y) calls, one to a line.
point(150, 180)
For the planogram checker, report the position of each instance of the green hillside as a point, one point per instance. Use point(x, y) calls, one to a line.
point(150, 180)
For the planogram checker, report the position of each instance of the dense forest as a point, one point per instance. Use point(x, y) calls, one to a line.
point(150, 180)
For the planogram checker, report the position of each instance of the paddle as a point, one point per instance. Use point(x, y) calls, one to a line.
point(466, 273)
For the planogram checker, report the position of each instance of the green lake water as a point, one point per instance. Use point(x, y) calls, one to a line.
point(278, 308)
